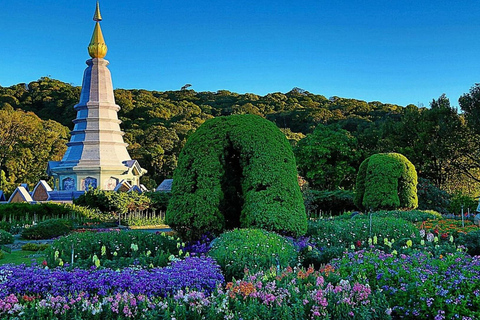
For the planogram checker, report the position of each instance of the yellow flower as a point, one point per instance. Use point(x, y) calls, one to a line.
point(394, 252)
point(115, 253)
point(60, 263)
point(56, 254)
point(104, 250)
point(375, 240)
point(409, 243)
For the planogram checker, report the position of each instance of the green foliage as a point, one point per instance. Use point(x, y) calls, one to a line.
point(328, 202)
point(111, 201)
point(471, 241)
point(460, 200)
point(2, 255)
point(236, 171)
point(35, 246)
point(386, 181)
point(409, 215)
point(4, 225)
point(25, 212)
point(115, 249)
point(327, 158)
point(159, 200)
point(432, 198)
point(48, 229)
point(5, 237)
point(26, 144)
point(254, 249)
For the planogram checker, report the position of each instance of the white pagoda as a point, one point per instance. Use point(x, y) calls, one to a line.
point(96, 156)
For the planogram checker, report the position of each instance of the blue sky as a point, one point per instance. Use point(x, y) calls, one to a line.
point(397, 52)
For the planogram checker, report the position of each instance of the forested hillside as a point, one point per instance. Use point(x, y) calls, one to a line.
point(340, 133)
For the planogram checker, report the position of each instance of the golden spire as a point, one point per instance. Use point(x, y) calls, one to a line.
point(97, 47)
point(97, 16)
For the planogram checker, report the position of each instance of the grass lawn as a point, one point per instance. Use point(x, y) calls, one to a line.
point(20, 256)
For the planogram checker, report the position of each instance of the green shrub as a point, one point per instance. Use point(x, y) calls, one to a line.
point(115, 249)
point(432, 198)
point(4, 225)
point(236, 171)
point(2, 254)
point(5, 237)
point(386, 181)
point(459, 200)
point(48, 229)
point(471, 241)
point(35, 246)
point(328, 202)
point(409, 215)
point(112, 201)
point(254, 249)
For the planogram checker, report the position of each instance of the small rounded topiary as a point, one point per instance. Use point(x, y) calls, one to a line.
point(5, 237)
point(48, 229)
point(236, 171)
point(386, 181)
point(254, 249)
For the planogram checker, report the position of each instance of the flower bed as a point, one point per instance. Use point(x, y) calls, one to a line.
point(419, 286)
point(288, 294)
point(202, 274)
point(447, 226)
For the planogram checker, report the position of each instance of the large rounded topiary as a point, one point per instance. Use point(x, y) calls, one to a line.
point(386, 181)
point(236, 171)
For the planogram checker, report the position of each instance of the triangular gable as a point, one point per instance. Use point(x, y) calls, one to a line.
point(41, 190)
point(143, 188)
point(123, 186)
point(25, 185)
point(2, 196)
point(134, 167)
point(20, 195)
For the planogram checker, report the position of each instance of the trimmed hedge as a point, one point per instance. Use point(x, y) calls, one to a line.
point(386, 181)
point(236, 171)
point(24, 212)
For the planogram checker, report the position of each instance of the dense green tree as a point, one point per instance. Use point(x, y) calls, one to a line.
point(327, 158)
point(236, 171)
point(27, 143)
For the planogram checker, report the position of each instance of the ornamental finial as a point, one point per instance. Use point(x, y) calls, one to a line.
point(97, 47)
point(97, 16)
